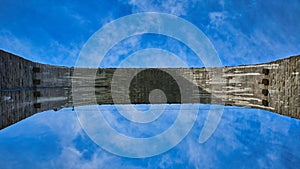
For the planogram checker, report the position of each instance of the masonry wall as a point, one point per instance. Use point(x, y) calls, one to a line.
point(28, 87)
point(284, 87)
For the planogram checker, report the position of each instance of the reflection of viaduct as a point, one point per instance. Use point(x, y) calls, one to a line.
point(28, 88)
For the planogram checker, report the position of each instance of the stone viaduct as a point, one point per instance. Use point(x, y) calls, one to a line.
point(28, 88)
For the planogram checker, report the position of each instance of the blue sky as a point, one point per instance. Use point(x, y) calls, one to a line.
point(242, 32)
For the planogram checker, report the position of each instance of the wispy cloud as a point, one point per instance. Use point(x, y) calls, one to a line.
point(252, 32)
point(178, 8)
point(51, 52)
point(242, 33)
point(11, 43)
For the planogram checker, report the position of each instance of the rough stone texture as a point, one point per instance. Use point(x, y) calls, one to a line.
point(27, 87)
point(284, 87)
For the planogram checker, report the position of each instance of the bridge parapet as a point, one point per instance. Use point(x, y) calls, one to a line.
point(28, 87)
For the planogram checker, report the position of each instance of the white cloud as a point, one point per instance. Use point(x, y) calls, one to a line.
point(56, 121)
point(112, 59)
point(248, 34)
point(55, 53)
point(70, 157)
point(11, 43)
point(178, 8)
point(217, 18)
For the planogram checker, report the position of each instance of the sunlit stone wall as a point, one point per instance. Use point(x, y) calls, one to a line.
point(28, 87)
point(284, 87)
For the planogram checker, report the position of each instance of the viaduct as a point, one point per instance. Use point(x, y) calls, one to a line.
point(27, 88)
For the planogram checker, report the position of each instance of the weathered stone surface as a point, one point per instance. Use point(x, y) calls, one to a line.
point(27, 87)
